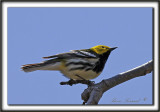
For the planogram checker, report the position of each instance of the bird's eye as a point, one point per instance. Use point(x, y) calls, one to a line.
point(102, 46)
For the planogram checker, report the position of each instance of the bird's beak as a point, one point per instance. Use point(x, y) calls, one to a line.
point(111, 49)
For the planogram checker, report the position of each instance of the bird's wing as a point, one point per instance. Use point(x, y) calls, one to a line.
point(74, 54)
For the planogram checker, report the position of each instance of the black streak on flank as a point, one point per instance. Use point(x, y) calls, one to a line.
point(79, 63)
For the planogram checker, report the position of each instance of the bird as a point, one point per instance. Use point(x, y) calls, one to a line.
point(84, 64)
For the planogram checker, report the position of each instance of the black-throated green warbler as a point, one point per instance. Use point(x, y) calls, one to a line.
point(77, 65)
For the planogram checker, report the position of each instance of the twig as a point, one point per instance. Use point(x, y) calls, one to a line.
point(71, 82)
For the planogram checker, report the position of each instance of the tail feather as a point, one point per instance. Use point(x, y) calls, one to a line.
point(31, 67)
point(46, 65)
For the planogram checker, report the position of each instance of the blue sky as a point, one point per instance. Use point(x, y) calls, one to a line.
point(37, 32)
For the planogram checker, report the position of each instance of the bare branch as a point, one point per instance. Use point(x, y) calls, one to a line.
point(71, 82)
point(93, 94)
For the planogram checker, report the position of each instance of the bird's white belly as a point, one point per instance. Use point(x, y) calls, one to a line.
point(87, 75)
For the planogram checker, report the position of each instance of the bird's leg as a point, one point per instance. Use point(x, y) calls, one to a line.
point(80, 77)
point(84, 81)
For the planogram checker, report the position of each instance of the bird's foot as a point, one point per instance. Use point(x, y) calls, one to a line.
point(90, 83)
point(70, 82)
point(84, 81)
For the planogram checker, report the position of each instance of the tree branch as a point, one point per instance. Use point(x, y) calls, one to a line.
point(71, 82)
point(93, 93)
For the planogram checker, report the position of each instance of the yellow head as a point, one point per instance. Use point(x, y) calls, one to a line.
point(100, 49)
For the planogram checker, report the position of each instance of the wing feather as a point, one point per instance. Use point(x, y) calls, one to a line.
point(73, 54)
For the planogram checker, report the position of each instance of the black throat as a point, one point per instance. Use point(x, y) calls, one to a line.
point(101, 63)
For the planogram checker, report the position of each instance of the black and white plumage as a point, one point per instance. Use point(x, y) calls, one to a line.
point(77, 64)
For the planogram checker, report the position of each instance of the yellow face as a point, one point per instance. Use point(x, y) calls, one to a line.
point(100, 49)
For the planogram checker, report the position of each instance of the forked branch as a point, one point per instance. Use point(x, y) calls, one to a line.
point(93, 94)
